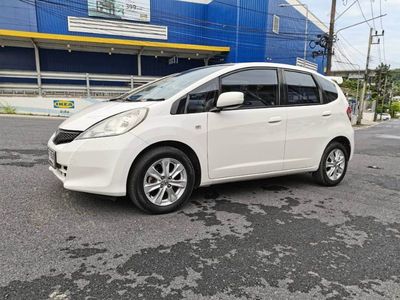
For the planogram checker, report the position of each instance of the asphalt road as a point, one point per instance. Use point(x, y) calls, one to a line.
point(276, 238)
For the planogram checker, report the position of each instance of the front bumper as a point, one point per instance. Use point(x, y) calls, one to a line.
point(99, 165)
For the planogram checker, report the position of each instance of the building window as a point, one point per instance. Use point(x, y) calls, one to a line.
point(275, 24)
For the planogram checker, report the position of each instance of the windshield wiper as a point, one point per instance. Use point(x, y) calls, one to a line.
point(127, 99)
point(117, 99)
point(154, 99)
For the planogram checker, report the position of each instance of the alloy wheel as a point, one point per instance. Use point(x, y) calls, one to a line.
point(165, 181)
point(335, 164)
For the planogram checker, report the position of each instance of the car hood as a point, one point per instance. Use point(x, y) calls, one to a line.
point(98, 112)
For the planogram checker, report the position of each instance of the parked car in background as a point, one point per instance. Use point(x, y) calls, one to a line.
point(384, 117)
point(206, 126)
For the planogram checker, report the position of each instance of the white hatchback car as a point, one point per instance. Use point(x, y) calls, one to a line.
point(206, 126)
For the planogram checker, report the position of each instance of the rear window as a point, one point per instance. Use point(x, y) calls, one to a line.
point(329, 90)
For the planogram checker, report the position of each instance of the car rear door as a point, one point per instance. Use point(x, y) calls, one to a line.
point(307, 120)
point(250, 139)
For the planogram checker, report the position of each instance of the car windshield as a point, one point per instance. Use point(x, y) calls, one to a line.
point(167, 87)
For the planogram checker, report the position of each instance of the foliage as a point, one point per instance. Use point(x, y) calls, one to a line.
point(349, 87)
point(395, 109)
point(7, 109)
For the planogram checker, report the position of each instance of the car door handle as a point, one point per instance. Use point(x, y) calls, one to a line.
point(326, 113)
point(273, 120)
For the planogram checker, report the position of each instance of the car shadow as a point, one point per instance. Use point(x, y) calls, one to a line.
point(275, 184)
point(118, 205)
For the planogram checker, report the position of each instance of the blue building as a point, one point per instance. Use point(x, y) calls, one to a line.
point(152, 37)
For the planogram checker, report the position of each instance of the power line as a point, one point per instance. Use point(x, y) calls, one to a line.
point(372, 12)
point(171, 18)
point(362, 12)
point(243, 43)
point(49, 7)
point(343, 12)
point(383, 37)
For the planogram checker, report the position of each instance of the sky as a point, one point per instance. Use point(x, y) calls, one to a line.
point(353, 42)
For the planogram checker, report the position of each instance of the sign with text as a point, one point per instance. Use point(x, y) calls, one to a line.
point(64, 104)
point(133, 10)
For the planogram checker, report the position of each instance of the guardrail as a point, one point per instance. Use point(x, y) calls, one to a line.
point(68, 84)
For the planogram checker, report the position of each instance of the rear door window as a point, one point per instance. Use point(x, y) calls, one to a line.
point(301, 88)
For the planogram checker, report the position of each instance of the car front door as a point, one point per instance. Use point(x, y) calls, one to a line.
point(250, 139)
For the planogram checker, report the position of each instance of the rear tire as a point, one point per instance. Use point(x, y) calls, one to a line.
point(333, 165)
point(161, 181)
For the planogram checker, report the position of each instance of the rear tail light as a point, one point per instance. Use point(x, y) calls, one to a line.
point(348, 112)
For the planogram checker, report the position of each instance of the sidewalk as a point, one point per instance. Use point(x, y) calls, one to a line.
point(365, 124)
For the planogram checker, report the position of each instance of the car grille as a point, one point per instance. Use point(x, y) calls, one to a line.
point(65, 136)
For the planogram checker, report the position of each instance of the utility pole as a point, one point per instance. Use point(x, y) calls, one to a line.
point(390, 99)
point(384, 95)
point(331, 38)
point(364, 89)
point(379, 88)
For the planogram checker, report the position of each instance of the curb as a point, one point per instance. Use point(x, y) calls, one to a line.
point(359, 127)
point(32, 116)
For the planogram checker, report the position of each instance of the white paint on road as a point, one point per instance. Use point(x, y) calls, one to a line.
point(388, 136)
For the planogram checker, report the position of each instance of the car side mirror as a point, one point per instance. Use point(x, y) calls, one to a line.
point(230, 100)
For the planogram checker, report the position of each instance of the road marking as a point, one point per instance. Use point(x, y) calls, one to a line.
point(388, 136)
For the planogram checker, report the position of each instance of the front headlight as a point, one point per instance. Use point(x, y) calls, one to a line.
point(115, 125)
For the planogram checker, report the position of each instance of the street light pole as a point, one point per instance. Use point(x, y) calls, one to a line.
point(306, 37)
point(306, 29)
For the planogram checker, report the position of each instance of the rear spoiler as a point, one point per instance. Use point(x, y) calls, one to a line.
point(337, 79)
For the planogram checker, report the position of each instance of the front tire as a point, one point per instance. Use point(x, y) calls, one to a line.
point(333, 165)
point(161, 181)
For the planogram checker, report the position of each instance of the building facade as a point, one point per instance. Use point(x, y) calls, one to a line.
point(153, 37)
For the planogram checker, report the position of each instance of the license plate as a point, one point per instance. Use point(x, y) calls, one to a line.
point(52, 158)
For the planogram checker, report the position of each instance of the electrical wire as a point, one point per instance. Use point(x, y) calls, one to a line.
point(372, 12)
point(362, 12)
point(52, 2)
point(48, 6)
point(343, 12)
point(176, 19)
point(383, 37)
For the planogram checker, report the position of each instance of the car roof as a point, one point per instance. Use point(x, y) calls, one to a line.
point(234, 66)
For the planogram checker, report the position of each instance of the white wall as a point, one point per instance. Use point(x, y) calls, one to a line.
point(45, 105)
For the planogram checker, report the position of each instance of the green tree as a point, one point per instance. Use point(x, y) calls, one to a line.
point(349, 87)
point(395, 109)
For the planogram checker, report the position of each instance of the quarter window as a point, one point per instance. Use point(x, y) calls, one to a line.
point(260, 87)
point(203, 98)
point(330, 91)
point(301, 88)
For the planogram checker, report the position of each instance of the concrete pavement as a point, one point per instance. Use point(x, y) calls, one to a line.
point(283, 238)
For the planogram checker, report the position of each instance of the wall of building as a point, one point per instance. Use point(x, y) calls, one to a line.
point(45, 106)
point(286, 46)
point(243, 25)
point(18, 15)
point(239, 24)
point(16, 58)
